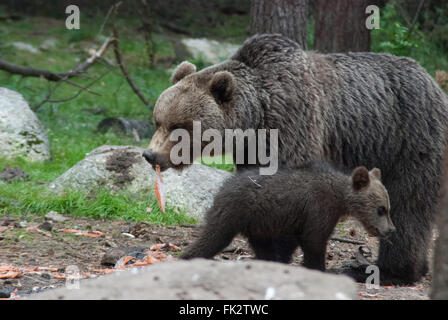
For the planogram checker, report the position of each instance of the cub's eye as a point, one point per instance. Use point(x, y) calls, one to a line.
point(382, 211)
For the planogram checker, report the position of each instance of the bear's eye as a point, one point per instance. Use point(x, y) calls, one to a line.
point(381, 211)
point(174, 127)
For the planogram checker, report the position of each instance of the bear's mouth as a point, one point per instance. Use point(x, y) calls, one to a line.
point(373, 232)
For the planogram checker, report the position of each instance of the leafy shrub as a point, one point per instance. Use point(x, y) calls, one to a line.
point(393, 37)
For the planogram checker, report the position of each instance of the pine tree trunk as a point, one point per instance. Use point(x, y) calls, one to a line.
point(340, 26)
point(287, 17)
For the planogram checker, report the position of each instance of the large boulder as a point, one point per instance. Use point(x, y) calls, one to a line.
point(206, 279)
point(21, 132)
point(123, 168)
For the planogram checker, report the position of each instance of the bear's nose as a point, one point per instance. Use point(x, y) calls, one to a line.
point(391, 230)
point(149, 156)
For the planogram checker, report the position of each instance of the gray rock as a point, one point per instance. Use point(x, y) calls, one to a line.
point(48, 44)
point(143, 128)
point(210, 51)
point(123, 168)
point(206, 279)
point(24, 47)
point(54, 216)
point(21, 132)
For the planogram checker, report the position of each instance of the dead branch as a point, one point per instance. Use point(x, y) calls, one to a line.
point(53, 76)
point(410, 24)
point(417, 13)
point(81, 87)
point(121, 64)
point(50, 93)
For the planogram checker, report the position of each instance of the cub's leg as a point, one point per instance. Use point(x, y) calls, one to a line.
point(285, 248)
point(217, 233)
point(264, 248)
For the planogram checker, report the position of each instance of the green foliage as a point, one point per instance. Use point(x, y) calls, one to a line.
point(400, 42)
point(393, 37)
point(311, 26)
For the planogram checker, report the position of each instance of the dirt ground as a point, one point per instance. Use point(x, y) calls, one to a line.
point(35, 253)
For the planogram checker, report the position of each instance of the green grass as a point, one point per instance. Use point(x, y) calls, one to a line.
point(224, 162)
point(20, 198)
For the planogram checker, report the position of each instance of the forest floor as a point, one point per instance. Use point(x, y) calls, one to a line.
point(33, 259)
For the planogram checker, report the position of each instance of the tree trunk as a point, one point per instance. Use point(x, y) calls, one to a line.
point(287, 17)
point(341, 26)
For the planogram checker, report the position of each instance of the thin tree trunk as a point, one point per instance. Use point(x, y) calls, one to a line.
point(287, 17)
point(340, 26)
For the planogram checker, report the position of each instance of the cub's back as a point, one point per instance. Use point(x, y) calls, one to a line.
point(285, 191)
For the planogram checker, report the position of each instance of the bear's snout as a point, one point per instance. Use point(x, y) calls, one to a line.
point(150, 157)
point(161, 160)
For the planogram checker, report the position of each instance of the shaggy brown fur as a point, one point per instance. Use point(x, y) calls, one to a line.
point(293, 207)
point(356, 108)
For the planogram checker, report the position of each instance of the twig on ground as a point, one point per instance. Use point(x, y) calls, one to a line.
point(341, 239)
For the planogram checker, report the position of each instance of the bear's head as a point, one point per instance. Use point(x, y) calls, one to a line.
point(203, 98)
point(368, 202)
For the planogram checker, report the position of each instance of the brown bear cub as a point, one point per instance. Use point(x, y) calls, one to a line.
point(294, 207)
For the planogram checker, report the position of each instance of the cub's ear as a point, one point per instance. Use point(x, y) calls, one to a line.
point(376, 173)
point(360, 178)
point(182, 70)
point(222, 86)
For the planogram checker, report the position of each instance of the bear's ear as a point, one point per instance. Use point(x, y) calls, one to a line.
point(182, 70)
point(360, 178)
point(221, 86)
point(376, 173)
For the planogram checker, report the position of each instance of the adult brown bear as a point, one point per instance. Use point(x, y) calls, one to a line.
point(353, 109)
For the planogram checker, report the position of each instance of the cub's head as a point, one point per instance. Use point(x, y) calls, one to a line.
point(195, 97)
point(369, 202)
